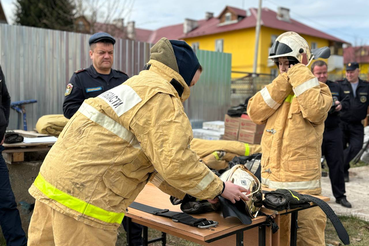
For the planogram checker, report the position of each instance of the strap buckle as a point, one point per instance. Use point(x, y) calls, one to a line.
point(207, 224)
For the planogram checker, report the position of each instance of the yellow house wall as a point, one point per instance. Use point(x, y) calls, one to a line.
point(241, 44)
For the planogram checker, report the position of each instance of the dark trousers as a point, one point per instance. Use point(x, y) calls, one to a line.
point(353, 138)
point(333, 151)
point(136, 233)
point(9, 215)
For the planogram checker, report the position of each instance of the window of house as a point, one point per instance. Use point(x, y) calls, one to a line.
point(272, 39)
point(314, 45)
point(228, 17)
point(219, 45)
point(81, 26)
point(195, 46)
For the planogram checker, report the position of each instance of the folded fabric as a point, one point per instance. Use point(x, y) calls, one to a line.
point(51, 124)
point(12, 137)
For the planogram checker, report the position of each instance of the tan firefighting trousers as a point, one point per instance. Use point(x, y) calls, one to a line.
point(51, 228)
point(311, 227)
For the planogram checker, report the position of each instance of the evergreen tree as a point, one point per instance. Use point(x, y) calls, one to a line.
point(50, 14)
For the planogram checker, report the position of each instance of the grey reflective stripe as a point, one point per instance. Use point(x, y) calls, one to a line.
point(268, 99)
point(157, 180)
point(210, 176)
point(301, 185)
point(109, 124)
point(298, 90)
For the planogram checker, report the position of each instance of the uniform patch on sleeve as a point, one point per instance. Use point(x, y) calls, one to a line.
point(68, 90)
point(121, 98)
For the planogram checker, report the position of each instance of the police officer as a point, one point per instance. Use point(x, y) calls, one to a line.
point(10, 221)
point(93, 81)
point(332, 136)
point(98, 78)
point(357, 92)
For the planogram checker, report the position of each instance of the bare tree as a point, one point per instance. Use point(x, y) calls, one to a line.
point(106, 12)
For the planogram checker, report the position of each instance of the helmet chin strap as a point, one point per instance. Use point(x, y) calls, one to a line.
point(311, 58)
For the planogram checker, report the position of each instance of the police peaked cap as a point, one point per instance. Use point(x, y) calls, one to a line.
point(101, 36)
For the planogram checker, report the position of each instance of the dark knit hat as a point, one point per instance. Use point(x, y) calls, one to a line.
point(186, 60)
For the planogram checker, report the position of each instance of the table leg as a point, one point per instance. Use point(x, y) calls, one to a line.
point(294, 217)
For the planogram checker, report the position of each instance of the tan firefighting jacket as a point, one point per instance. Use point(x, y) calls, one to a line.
point(217, 153)
point(117, 142)
point(294, 117)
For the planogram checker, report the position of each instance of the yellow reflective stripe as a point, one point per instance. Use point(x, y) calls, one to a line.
point(289, 98)
point(268, 99)
point(298, 199)
point(247, 149)
point(76, 204)
point(298, 90)
point(216, 155)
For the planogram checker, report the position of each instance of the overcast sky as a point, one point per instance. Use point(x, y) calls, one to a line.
point(344, 19)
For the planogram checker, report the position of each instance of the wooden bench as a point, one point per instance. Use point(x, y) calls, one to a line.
point(14, 153)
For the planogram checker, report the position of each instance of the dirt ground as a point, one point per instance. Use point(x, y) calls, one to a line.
point(357, 192)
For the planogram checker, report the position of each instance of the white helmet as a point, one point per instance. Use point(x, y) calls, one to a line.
point(291, 44)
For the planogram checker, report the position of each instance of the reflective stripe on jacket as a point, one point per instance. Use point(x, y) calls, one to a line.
point(294, 107)
point(117, 142)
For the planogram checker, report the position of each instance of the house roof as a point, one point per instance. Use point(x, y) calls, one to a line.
point(2, 15)
point(211, 26)
point(359, 54)
point(142, 35)
point(236, 11)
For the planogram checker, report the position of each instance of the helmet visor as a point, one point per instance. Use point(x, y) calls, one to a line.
point(279, 49)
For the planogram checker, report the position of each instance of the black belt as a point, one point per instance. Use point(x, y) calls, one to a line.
point(341, 231)
point(175, 216)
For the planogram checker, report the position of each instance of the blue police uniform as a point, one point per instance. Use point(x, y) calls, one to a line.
point(88, 83)
point(332, 144)
point(9, 215)
point(355, 111)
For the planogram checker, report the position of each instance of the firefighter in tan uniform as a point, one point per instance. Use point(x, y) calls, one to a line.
point(117, 142)
point(293, 107)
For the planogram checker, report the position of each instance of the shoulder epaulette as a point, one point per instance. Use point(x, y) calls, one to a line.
point(81, 70)
point(121, 72)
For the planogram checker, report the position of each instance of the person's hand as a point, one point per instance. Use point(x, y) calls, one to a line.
point(234, 192)
point(339, 106)
point(2, 141)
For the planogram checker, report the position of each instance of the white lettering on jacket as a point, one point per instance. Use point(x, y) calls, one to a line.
point(121, 98)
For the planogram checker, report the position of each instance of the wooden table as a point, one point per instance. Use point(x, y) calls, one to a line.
point(229, 231)
point(14, 153)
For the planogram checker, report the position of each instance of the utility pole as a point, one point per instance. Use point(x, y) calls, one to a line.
point(257, 35)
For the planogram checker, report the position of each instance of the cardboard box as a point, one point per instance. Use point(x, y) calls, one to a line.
point(232, 122)
point(249, 137)
point(248, 125)
point(230, 133)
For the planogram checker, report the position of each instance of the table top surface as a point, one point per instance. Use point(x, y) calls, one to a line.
point(152, 196)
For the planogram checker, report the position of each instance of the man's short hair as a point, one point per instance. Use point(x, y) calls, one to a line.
point(318, 63)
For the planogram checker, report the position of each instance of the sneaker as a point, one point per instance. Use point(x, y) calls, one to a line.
point(343, 201)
